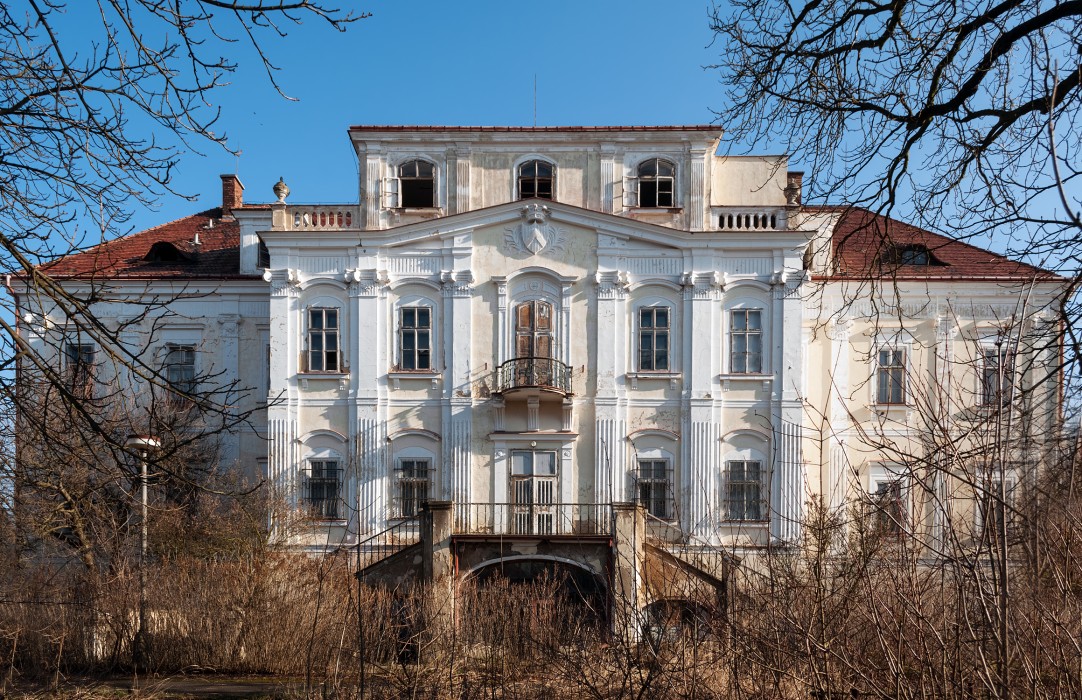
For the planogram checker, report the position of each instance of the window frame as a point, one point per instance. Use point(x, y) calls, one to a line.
point(403, 179)
point(747, 334)
point(656, 179)
point(990, 388)
point(645, 356)
point(329, 508)
point(760, 496)
point(653, 481)
point(898, 523)
point(407, 479)
point(180, 384)
point(535, 178)
point(895, 373)
point(323, 333)
point(415, 331)
point(80, 361)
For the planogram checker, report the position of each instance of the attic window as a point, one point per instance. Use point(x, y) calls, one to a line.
point(909, 254)
point(166, 252)
point(264, 256)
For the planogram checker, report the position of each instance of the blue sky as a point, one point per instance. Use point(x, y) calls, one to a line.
point(596, 62)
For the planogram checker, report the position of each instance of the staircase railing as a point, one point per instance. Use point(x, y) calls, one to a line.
point(386, 543)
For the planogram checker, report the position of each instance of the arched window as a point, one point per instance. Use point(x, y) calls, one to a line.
point(536, 179)
point(417, 180)
point(657, 183)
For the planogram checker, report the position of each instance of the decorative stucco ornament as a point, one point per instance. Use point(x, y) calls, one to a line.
point(281, 190)
point(534, 233)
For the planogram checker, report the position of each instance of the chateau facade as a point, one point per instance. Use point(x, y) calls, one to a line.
point(536, 323)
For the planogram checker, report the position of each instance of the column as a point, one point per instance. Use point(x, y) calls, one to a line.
point(610, 454)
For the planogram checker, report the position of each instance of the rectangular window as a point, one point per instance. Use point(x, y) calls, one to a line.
point(996, 507)
point(415, 338)
point(533, 492)
point(890, 376)
point(654, 339)
point(323, 349)
point(654, 487)
point(743, 490)
point(412, 487)
point(79, 358)
point(180, 367)
point(887, 512)
point(323, 489)
point(997, 376)
point(746, 341)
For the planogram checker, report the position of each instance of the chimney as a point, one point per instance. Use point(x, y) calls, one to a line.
point(232, 195)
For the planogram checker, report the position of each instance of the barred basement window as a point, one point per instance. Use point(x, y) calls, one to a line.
point(746, 341)
point(323, 489)
point(654, 487)
point(654, 339)
point(743, 490)
point(415, 338)
point(412, 478)
point(323, 350)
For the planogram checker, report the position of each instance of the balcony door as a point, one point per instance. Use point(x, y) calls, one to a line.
point(533, 340)
point(533, 490)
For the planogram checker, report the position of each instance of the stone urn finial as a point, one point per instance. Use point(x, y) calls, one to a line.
point(281, 190)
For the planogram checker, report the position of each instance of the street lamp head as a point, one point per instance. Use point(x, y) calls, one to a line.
point(142, 443)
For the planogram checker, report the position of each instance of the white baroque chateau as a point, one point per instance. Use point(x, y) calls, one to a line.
point(533, 324)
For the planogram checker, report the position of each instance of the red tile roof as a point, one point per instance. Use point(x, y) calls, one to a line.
point(863, 241)
point(217, 256)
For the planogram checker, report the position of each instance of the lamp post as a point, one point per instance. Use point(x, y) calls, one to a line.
point(142, 446)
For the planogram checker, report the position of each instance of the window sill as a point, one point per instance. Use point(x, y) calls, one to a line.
point(397, 375)
point(322, 377)
point(728, 379)
point(671, 377)
point(656, 210)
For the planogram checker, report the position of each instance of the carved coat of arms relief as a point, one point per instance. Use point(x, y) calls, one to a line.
point(535, 233)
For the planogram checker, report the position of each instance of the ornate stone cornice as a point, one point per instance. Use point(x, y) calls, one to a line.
point(366, 283)
point(702, 285)
point(612, 284)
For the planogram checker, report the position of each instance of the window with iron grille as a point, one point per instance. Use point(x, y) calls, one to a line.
point(746, 341)
point(180, 368)
point(536, 179)
point(417, 180)
point(415, 338)
point(79, 358)
point(323, 348)
point(653, 484)
point(743, 490)
point(656, 183)
point(890, 376)
point(887, 511)
point(997, 375)
point(323, 489)
point(654, 339)
point(411, 490)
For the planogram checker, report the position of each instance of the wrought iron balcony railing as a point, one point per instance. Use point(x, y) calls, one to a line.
point(534, 373)
point(533, 519)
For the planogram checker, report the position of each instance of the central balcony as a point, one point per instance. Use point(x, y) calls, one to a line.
point(533, 376)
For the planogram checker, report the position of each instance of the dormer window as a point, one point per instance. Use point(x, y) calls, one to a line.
point(536, 179)
point(166, 252)
point(908, 254)
point(657, 178)
point(417, 182)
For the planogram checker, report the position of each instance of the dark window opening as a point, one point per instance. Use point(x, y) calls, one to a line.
point(535, 179)
point(657, 184)
point(417, 180)
point(264, 256)
point(911, 254)
point(166, 252)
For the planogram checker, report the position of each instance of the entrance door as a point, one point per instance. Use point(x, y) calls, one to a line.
point(533, 490)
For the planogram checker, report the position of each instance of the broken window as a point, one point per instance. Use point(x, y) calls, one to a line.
point(535, 179)
point(657, 178)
